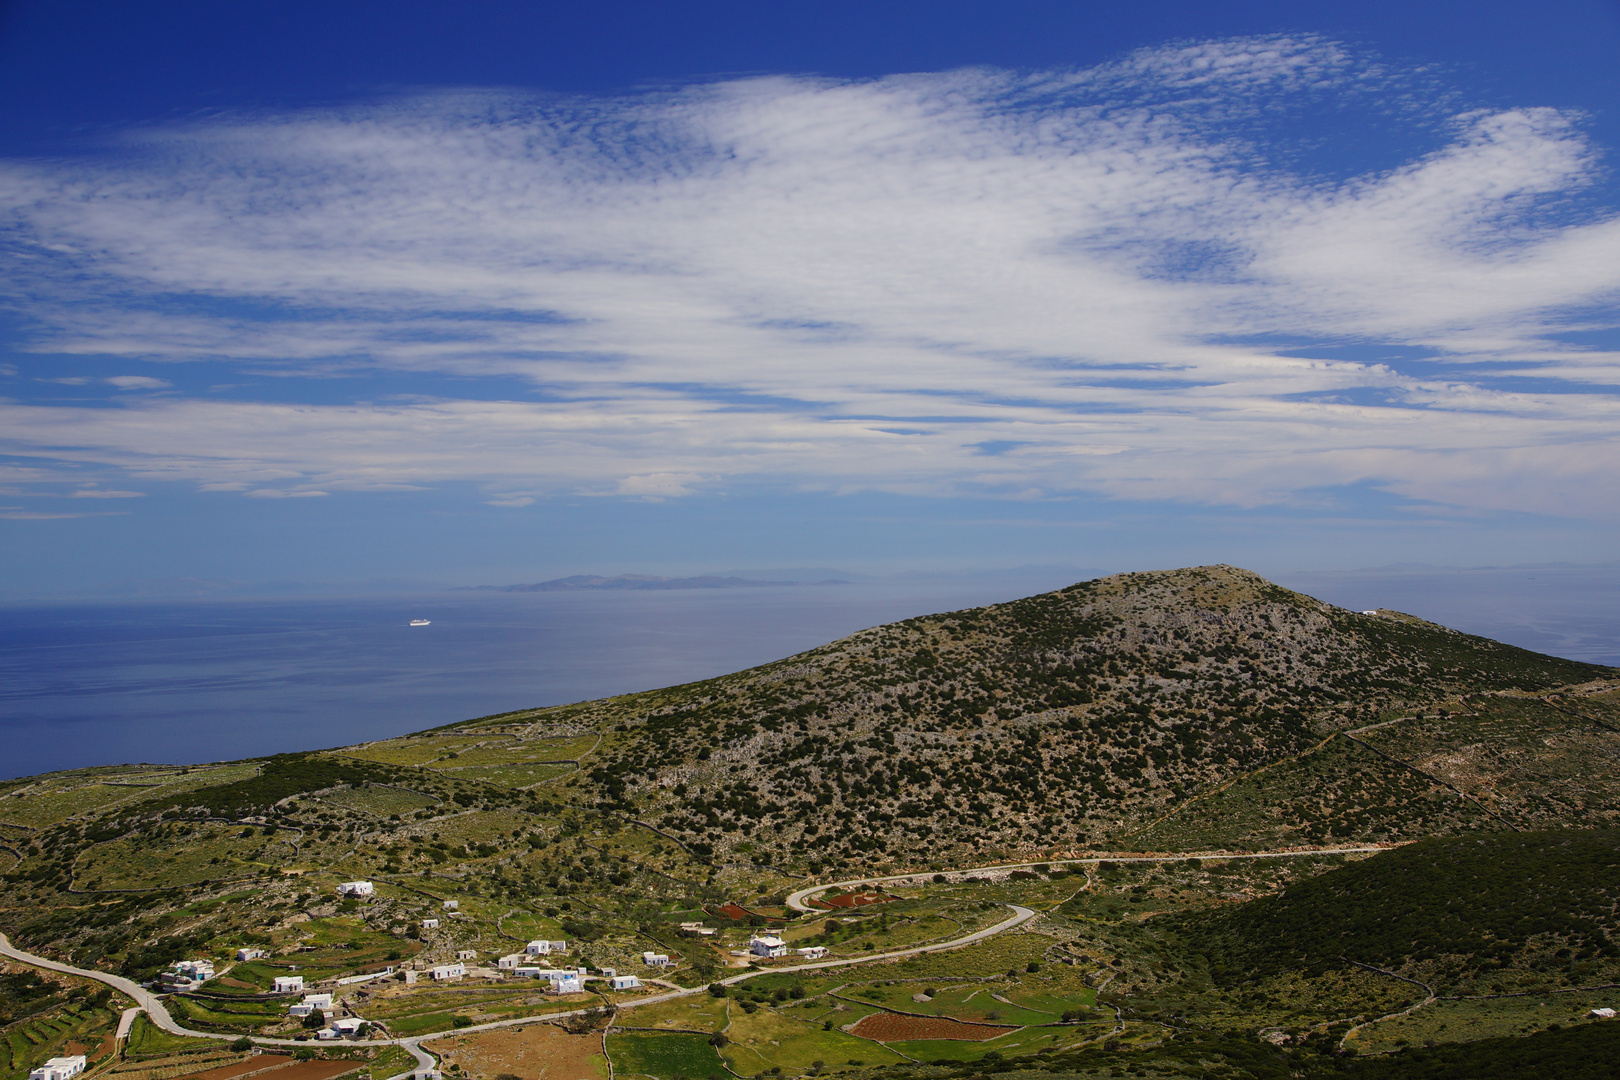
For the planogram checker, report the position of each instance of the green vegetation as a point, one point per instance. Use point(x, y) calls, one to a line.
point(664, 1056)
point(1544, 901)
point(1198, 714)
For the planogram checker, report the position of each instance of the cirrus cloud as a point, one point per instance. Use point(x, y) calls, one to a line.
point(1133, 279)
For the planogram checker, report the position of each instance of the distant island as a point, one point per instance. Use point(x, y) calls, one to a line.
point(581, 582)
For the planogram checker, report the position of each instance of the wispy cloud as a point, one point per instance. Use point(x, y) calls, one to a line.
point(1115, 277)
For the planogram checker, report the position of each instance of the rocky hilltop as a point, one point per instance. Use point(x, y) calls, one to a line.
point(1087, 716)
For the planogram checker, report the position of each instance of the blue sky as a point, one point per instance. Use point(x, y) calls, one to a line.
point(496, 292)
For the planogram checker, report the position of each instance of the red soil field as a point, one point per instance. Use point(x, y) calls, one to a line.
point(891, 1027)
point(314, 1070)
point(280, 1067)
point(250, 1065)
point(848, 900)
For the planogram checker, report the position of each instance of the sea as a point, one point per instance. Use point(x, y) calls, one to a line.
point(185, 682)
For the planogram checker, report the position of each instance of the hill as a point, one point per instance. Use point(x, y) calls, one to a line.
point(1077, 717)
point(1193, 712)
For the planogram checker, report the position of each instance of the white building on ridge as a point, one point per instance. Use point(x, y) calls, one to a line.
point(59, 1068)
point(357, 889)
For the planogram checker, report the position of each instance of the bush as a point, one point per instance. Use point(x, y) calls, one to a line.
point(461, 1021)
point(242, 1045)
point(303, 1053)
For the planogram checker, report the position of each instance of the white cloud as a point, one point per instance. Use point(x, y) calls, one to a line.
point(137, 382)
point(837, 285)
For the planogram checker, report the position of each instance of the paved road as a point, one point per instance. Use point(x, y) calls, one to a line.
point(796, 900)
point(153, 1006)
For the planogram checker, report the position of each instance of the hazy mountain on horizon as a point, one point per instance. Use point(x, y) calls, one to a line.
point(580, 582)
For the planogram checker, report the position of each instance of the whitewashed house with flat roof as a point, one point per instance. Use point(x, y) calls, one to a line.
point(311, 1002)
point(655, 959)
point(289, 984)
point(59, 1068)
point(446, 972)
point(814, 952)
point(512, 961)
point(565, 984)
point(624, 982)
point(250, 954)
point(430, 924)
point(357, 888)
point(767, 946)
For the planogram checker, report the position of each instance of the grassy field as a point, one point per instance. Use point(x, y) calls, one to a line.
point(417, 750)
point(514, 775)
point(180, 854)
point(146, 1039)
point(380, 801)
point(1466, 1021)
point(767, 1039)
point(59, 796)
point(521, 751)
point(664, 1056)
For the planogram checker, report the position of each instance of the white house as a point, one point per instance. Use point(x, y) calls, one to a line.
point(512, 960)
point(445, 972)
point(608, 973)
point(654, 959)
point(814, 952)
point(767, 946)
point(289, 984)
point(357, 888)
point(466, 954)
point(348, 1026)
point(59, 1068)
point(311, 1002)
point(1601, 1014)
point(624, 982)
point(697, 929)
point(187, 975)
point(250, 954)
point(452, 905)
point(545, 948)
point(430, 924)
point(568, 984)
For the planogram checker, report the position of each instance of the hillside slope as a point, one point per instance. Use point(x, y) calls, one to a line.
point(1073, 718)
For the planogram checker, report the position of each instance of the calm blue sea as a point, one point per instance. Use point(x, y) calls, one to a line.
point(203, 681)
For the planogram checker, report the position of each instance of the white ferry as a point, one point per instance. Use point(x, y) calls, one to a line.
point(421, 622)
